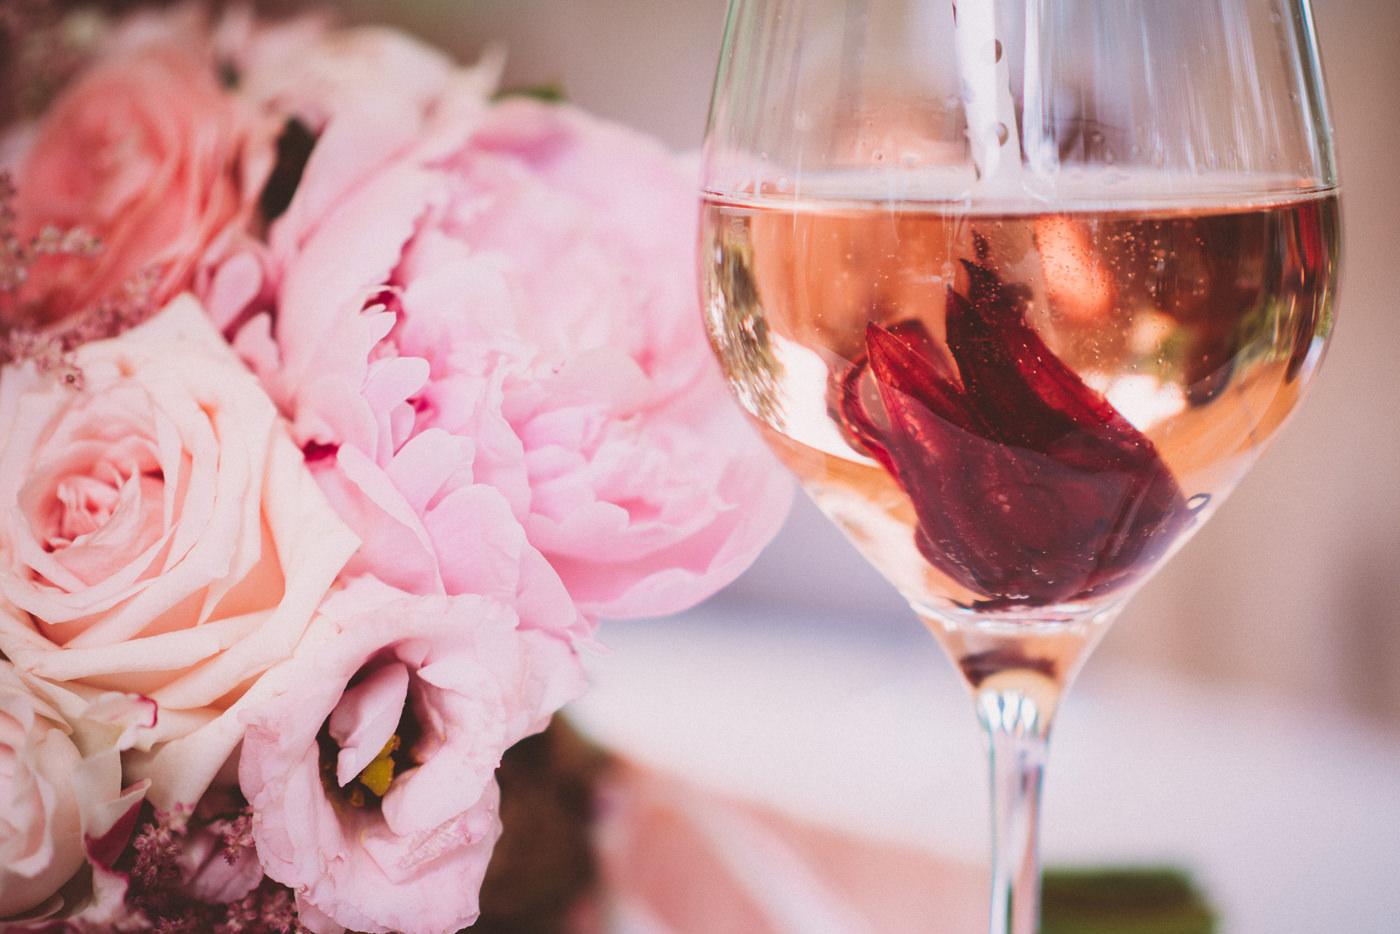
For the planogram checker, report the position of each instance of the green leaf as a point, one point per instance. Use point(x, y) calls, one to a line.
point(1138, 900)
point(550, 93)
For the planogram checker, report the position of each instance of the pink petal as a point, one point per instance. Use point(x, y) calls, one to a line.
point(366, 718)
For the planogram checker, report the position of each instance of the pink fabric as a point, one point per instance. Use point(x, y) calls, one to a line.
point(680, 860)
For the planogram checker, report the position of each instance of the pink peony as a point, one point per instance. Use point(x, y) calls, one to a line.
point(361, 94)
point(447, 683)
point(506, 317)
point(145, 152)
point(164, 537)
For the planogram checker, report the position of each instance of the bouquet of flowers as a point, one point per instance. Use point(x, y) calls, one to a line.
point(342, 396)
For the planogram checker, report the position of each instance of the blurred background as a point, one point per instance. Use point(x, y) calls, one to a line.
point(1293, 589)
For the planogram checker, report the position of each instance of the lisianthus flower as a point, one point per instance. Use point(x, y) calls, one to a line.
point(1029, 487)
point(163, 536)
point(147, 156)
point(509, 313)
point(371, 767)
point(60, 794)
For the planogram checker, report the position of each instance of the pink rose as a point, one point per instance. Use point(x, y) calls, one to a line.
point(513, 305)
point(56, 788)
point(371, 770)
point(163, 536)
point(146, 152)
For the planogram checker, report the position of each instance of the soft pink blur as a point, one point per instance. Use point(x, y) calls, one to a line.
point(679, 859)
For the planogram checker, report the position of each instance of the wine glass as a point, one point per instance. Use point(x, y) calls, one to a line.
point(1019, 290)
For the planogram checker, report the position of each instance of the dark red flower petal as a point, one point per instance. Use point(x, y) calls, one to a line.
point(1028, 486)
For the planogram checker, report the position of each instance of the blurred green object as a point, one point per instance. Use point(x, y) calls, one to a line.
point(1142, 900)
point(551, 93)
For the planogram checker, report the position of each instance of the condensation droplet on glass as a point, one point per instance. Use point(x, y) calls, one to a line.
point(782, 183)
point(878, 155)
point(1003, 134)
point(996, 50)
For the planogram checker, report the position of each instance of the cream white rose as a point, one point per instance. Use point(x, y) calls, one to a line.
point(41, 844)
point(58, 786)
point(163, 536)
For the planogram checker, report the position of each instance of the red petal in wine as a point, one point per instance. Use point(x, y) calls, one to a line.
point(1028, 486)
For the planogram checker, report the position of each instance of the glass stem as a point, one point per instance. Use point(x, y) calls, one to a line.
point(1017, 720)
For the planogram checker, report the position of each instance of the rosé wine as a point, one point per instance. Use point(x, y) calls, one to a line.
point(1018, 415)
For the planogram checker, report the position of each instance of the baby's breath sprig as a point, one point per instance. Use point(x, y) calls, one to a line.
point(156, 881)
point(51, 347)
